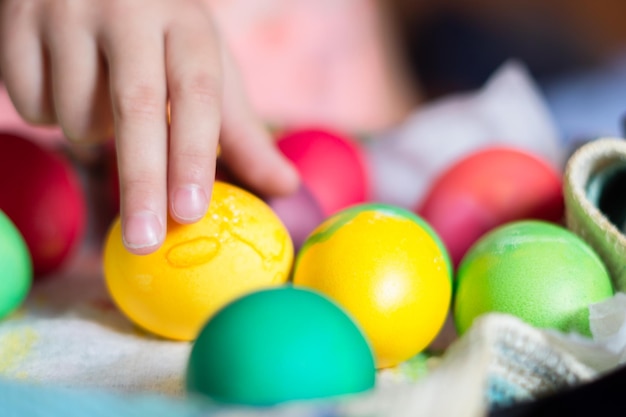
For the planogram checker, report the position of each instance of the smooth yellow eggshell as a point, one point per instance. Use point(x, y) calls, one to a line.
point(385, 268)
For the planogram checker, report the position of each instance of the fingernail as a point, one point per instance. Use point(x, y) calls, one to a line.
point(190, 203)
point(142, 230)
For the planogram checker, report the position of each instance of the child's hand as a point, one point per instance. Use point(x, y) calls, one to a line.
point(100, 68)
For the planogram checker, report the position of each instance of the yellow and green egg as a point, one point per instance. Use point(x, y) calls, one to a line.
point(388, 269)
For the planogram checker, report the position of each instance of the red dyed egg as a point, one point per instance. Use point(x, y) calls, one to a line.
point(41, 193)
point(332, 166)
point(489, 188)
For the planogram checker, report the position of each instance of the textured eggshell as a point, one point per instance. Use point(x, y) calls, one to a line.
point(538, 271)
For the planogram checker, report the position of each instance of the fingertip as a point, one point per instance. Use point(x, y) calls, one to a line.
point(143, 232)
point(189, 203)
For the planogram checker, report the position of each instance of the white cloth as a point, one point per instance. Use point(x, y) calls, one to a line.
point(508, 110)
point(69, 334)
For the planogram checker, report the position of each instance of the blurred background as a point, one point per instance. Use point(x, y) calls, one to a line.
point(364, 65)
point(455, 44)
point(575, 50)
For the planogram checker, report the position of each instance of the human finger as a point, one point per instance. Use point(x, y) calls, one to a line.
point(193, 65)
point(135, 56)
point(247, 147)
point(23, 62)
point(80, 90)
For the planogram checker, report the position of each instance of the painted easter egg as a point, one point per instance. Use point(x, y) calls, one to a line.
point(331, 165)
point(278, 345)
point(42, 195)
point(240, 245)
point(488, 188)
point(16, 274)
point(538, 271)
point(383, 266)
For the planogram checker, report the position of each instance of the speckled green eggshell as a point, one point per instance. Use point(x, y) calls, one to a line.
point(16, 270)
point(278, 345)
point(538, 271)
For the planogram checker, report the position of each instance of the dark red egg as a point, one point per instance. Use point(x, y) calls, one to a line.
point(41, 193)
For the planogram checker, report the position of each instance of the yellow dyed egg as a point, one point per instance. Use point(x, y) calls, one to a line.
point(239, 246)
point(388, 269)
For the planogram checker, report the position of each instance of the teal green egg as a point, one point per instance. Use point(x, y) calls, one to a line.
point(16, 272)
point(278, 345)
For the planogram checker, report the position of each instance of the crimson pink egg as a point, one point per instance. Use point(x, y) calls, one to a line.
point(41, 193)
point(331, 165)
point(488, 188)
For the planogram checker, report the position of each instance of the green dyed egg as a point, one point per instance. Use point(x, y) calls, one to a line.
point(16, 271)
point(537, 271)
point(278, 345)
